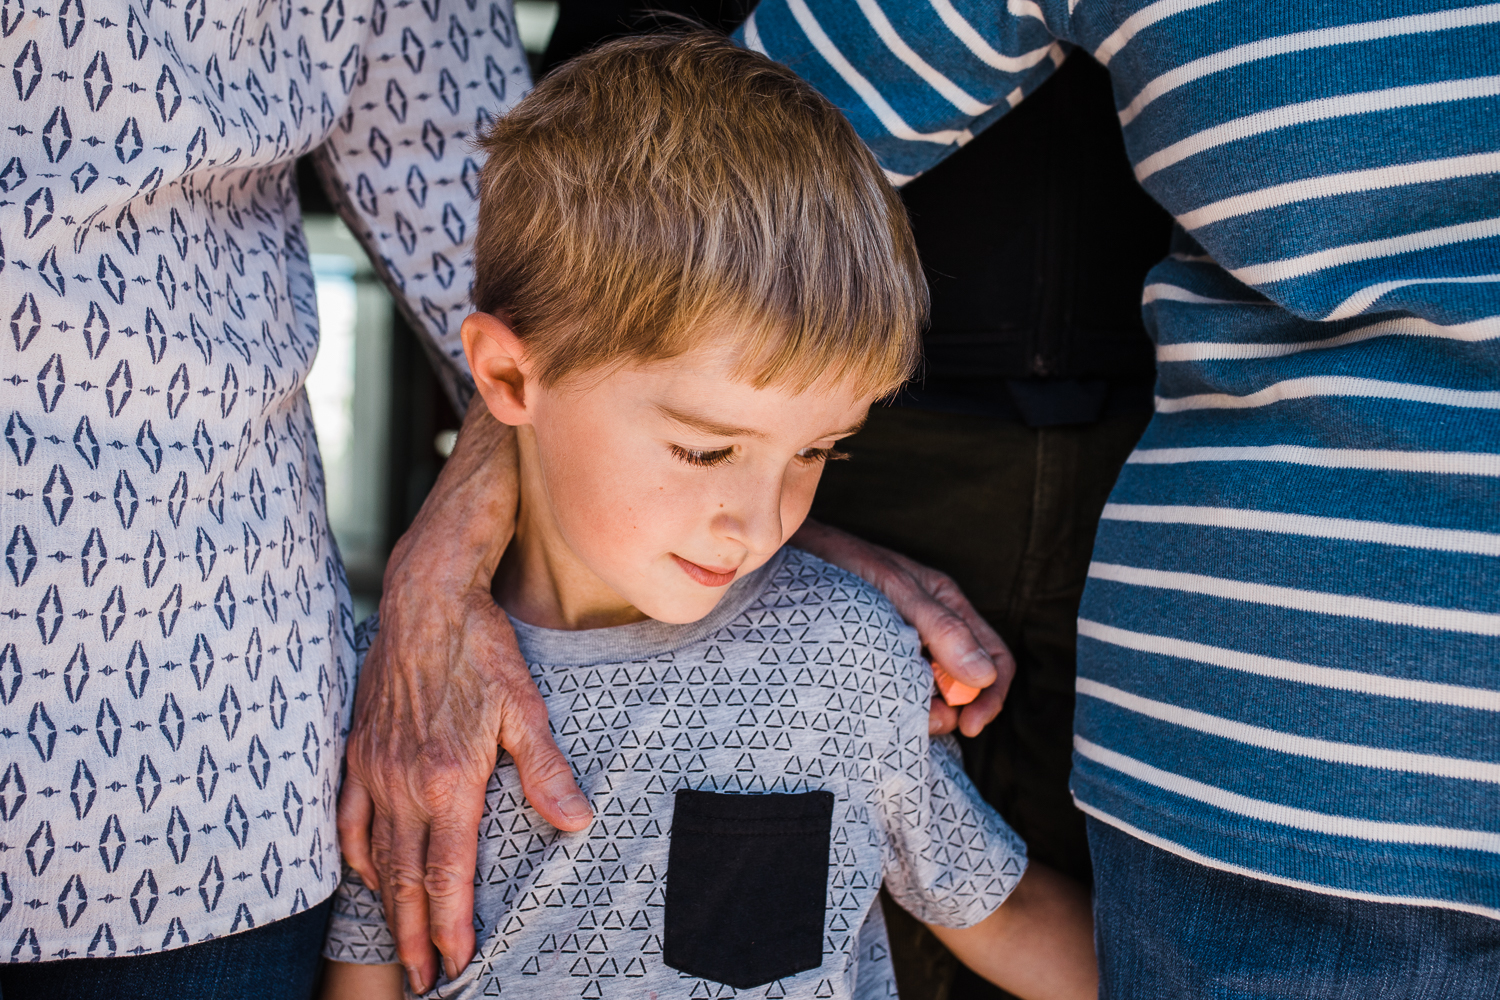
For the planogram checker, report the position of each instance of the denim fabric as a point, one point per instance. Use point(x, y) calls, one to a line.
point(1168, 927)
point(276, 961)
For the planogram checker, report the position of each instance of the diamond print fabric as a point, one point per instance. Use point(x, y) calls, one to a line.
point(803, 678)
point(175, 630)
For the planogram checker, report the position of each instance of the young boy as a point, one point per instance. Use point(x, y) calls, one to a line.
point(692, 282)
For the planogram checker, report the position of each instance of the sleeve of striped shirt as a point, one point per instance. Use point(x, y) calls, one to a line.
point(917, 79)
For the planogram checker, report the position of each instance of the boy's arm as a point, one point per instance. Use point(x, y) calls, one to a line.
point(347, 981)
point(1039, 945)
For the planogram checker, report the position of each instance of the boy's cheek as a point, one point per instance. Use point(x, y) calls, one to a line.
point(797, 499)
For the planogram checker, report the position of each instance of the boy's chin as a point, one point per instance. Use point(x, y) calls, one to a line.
point(681, 608)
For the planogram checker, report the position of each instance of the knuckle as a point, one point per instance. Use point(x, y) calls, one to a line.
point(549, 768)
point(444, 883)
point(404, 886)
point(949, 624)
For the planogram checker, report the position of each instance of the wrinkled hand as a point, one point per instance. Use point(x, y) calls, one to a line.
point(442, 686)
point(953, 632)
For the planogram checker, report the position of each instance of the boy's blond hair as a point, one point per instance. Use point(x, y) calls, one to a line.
point(663, 187)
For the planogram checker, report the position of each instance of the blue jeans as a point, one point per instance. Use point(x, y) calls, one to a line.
point(1171, 928)
point(277, 961)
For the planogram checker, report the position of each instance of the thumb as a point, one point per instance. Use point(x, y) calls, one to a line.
point(546, 778)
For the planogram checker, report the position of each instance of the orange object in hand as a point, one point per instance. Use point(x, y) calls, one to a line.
point(954, 691)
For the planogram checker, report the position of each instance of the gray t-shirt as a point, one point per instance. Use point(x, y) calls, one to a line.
point(803, 679)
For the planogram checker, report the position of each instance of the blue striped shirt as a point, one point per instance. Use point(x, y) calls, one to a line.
point(1288, 656)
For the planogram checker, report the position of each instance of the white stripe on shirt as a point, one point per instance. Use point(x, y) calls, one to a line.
point(1380, 532)
point(1370, 294)
point(1025, 8)
point(1175, 293)
point(752, 36)
point(1141, 20)
point(892, 122)
point(1378, 758)
point(952, 92)
point(1267, 48)
point(1350, 182)
point(1302, 819)
point(1296, 267)
point(1289, 670)
point(1331, 385)
point(1321, 109)
point(986, 53)
point(1317, 602)
point(1457, 463)
point(1474, 331)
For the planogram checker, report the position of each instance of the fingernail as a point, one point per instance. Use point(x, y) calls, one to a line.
point(414, 978)
point(979, 663)
point(575, 807)
point(978, 658)
point(450, 968)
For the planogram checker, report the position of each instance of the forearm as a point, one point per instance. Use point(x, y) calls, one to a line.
point(1039, 945)
point(925, 129)
point(469, 515)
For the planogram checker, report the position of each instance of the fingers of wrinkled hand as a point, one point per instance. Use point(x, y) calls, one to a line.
point(404, 897)
point(1000, 655)
point(945, 633)
point(982, 710)
point(355, 811)
point(545, 776)
point(452, 852)
point(942, 718)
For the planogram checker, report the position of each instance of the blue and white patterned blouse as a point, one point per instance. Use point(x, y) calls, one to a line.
point(175, 629)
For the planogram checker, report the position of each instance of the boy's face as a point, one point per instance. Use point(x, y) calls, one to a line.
point(668, 481)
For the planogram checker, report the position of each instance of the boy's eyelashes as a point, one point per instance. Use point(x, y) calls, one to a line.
point(703, 459)
point(811, 455)
point(723, 456)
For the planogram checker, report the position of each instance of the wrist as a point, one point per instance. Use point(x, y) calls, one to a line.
point(842, 549)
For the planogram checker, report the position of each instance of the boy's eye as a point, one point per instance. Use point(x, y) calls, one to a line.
point(703, 459)
point(811, 455)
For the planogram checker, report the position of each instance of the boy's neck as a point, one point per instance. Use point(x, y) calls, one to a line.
point(541, 581)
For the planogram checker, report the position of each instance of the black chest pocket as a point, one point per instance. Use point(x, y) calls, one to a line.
point(747, 882)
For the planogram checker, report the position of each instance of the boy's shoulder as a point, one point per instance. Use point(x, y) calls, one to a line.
point(811, 612)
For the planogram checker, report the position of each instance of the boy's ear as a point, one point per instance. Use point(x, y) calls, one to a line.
point(497, 360)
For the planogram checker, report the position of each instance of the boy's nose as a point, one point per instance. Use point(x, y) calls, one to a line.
point(753, 518)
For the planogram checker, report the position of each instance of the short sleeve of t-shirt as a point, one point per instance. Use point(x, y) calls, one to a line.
point(356, 930)
point(951, 860)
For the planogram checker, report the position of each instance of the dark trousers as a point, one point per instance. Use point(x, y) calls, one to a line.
point(276, 961)
point(1009, 512)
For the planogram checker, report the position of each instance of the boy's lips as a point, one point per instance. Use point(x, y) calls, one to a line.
point(704, 575)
